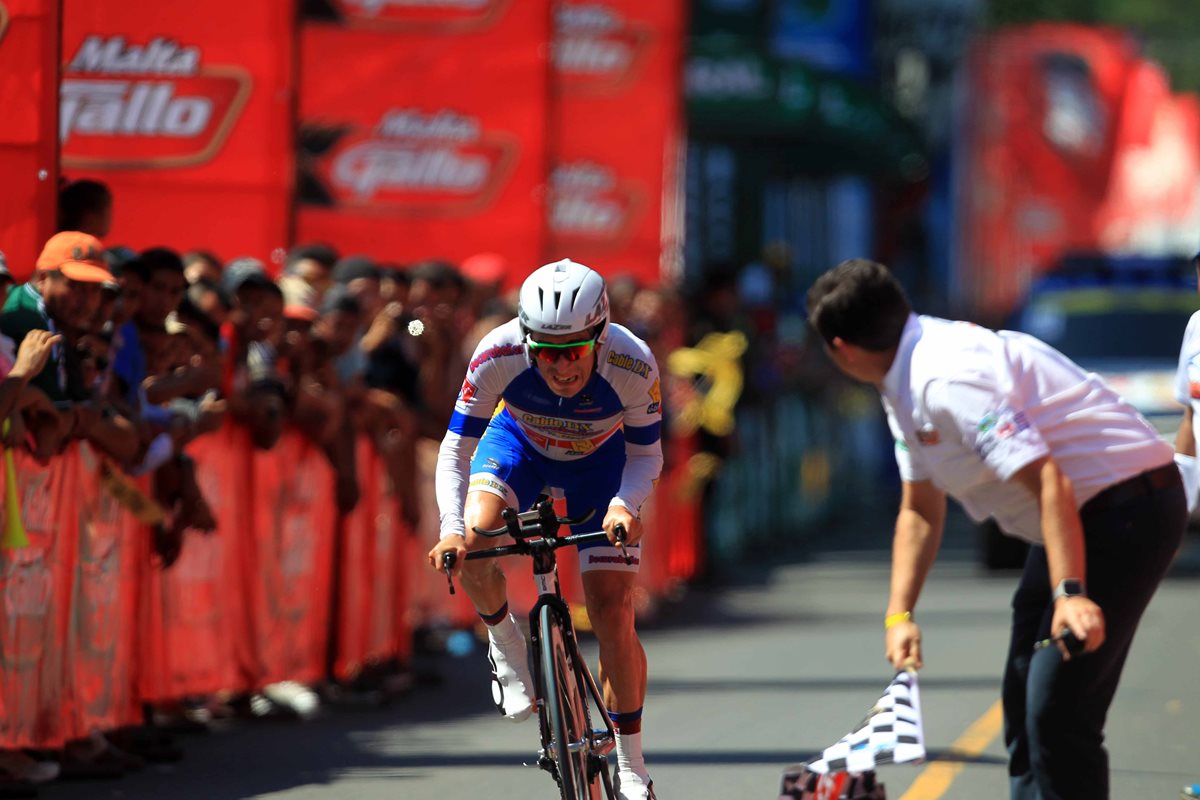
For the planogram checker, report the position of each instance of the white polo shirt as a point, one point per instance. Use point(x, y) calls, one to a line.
point(1187, 376)
point(969, 407)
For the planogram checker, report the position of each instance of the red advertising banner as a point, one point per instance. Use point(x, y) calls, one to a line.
point(289, 559)
point(35, 584)
point(28, 149)
point(195, 625)
point(1075, 142)
point(104, 591)
point(422, 129)
point(186, 115)
point(616, 128)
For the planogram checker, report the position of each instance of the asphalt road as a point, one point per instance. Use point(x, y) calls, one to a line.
point(745, 679)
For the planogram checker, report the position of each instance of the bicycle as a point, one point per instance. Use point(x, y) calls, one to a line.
point(572, 751)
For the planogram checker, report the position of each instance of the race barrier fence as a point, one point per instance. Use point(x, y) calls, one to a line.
point(93, 626)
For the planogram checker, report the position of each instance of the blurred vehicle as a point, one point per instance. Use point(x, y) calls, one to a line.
point(1122, 318)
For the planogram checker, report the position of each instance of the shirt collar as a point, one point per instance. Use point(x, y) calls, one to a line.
point(897, 374)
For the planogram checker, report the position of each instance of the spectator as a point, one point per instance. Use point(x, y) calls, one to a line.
point(210, 299)
point(63, 297)
point(201, 265)
point(86, 206)
point(255, 327)
point(393, 284)
point(312, 263)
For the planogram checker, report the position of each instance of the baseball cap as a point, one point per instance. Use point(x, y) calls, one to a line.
point(352, 268)
point(77, 255)
point(485, 267)
point(244, 272)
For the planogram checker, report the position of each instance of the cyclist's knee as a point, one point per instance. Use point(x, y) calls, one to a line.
point(482, 510)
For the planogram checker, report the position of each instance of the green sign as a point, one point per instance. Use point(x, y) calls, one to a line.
point(736, 91)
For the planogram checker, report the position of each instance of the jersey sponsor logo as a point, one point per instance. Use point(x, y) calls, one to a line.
point(901, 445)
point(437, 160)
point(467, 391)
point(928, 436)
point(655, 398)
point(581, 448)
point(997, 426)
point(485, 483)
point(496, 351)
point(598, 559)
point(1194, 390)
point(126, 104)
point(628, 362)
point(558, 425)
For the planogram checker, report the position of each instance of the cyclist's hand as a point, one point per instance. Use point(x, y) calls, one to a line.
point(903, 645)
point(450, 544)
point(621, 515)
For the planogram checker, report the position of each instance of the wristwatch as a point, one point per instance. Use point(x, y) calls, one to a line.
point(1069, 587)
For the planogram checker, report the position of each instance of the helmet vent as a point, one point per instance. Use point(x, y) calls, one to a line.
point(574, 297)
point(557, 300)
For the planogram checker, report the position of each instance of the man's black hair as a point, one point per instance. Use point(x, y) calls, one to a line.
point(437, 273)
point(338, 298)
point(79, 198)
point(192, 316)
point(320, 252)
point(861, 302)
point(162, 259)
point(196, 292)
point(352, 268)
point(192, 256)
point(124, 261)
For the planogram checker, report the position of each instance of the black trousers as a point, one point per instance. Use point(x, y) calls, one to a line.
point(1054, 710)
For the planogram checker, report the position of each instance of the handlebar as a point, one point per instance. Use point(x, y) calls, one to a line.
point(538, 521)
point(540, 524)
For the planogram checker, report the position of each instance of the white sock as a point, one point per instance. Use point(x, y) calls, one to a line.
point(505, 630)
point(629, 754)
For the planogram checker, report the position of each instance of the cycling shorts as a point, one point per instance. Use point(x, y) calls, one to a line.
point(507, 465)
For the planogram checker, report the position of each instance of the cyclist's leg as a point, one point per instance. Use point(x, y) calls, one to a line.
point(501, 475)
point(608, 584)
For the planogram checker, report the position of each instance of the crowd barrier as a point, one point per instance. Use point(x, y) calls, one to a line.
point(93, 627)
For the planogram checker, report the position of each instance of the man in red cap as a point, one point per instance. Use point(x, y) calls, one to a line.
point(62, 297)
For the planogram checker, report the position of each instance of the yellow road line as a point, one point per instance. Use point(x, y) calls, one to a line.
point(936, 778)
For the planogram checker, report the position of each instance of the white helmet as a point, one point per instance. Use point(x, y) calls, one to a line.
point(563, 297)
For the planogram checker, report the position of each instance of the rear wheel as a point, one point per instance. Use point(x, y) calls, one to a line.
point(561, 695)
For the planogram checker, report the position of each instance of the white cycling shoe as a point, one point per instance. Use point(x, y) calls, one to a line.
point(631, 786)
point(512, 685)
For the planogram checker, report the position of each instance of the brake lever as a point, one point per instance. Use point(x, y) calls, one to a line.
point(449, 559)
point(619, 530)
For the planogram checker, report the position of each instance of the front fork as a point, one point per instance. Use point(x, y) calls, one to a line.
point(600, 741)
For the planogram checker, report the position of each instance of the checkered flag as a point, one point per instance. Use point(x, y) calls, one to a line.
point(891, 734)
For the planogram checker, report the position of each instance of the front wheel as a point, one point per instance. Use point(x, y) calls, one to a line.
point(560, 693)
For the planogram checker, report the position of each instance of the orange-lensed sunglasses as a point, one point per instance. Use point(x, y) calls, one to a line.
point(548, 353)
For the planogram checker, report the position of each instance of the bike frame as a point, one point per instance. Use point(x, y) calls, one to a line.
point(600, 742)
point(538, 540)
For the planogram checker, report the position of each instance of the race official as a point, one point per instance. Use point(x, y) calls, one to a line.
point(1014, 430)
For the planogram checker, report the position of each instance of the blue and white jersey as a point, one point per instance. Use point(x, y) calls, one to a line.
point(621, 402)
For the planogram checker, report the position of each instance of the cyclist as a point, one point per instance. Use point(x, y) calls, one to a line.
point(579, 413)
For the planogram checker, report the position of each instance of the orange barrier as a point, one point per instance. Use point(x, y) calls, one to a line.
point(372, 623)
point(93, 627)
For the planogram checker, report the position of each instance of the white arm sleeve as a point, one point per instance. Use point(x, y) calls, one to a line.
point(450, 481)
point(643, 464)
